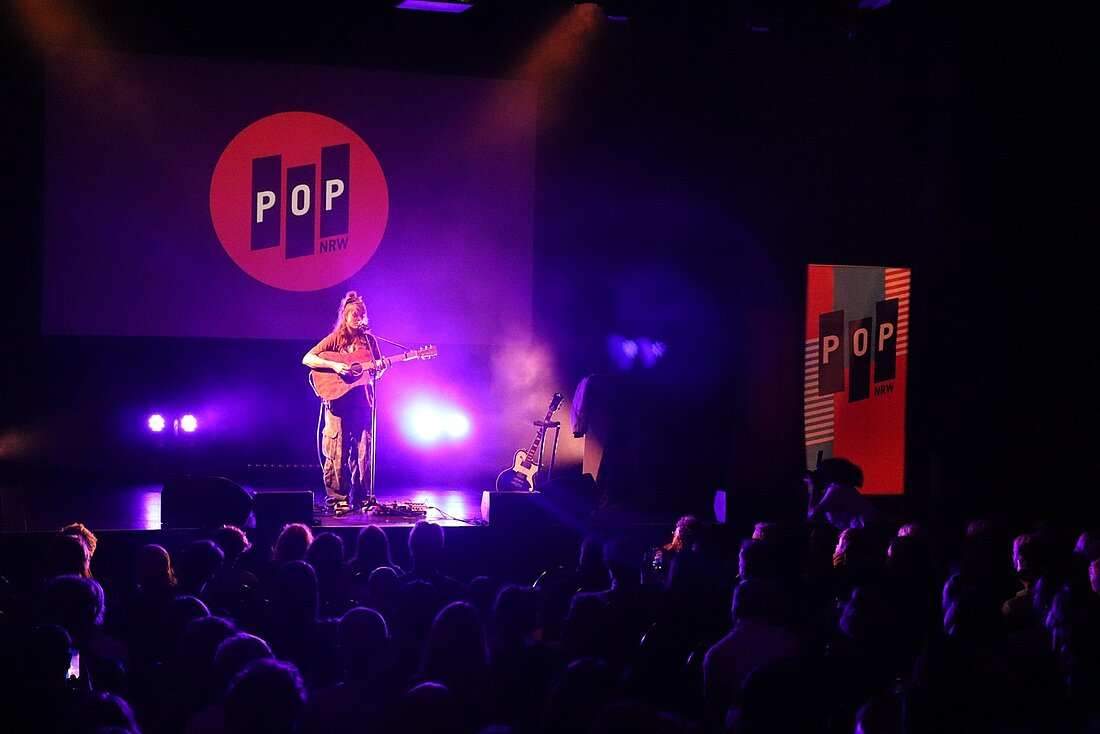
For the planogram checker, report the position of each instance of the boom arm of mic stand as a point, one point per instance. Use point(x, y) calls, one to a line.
point(402, 347)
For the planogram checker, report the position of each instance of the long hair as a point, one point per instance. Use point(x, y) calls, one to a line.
point(345, 336)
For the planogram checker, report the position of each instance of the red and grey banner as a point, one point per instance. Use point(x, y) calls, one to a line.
point(857, 344)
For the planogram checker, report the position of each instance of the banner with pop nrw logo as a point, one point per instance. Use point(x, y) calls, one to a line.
point(857, 346)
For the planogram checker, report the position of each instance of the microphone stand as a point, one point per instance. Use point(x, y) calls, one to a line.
point(372, 501)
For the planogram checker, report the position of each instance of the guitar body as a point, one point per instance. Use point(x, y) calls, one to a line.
point(330, 385)
point(520, 478)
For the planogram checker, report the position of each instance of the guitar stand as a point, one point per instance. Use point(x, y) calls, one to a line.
point(556, 425)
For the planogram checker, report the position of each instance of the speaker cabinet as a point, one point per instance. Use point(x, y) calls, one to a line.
point(513, 508)
point(204, 502)
point(566, 501)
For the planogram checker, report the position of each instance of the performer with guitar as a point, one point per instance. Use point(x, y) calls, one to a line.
point(347, 434)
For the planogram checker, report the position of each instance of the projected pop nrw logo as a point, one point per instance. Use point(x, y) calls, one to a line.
point(299, 201)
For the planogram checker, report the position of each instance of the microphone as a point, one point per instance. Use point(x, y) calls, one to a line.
point(364, 325)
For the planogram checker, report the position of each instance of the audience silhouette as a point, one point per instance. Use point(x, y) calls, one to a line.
point(840, 622)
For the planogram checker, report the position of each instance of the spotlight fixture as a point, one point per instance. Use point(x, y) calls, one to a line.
point(434, 6)
point(156, 423)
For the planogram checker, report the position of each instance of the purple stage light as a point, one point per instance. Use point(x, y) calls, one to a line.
point(428, 425)
point(622, 351)
point(156, 423)
point(188, 423)
point(456, 425)
point(435, 6)
point(423, 425)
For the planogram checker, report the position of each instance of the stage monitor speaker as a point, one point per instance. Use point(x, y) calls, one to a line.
point(193, 501)
point(565, 501)
point(276, 508)
point(514, 508)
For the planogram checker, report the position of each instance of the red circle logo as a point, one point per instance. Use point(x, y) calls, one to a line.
point(299, 201)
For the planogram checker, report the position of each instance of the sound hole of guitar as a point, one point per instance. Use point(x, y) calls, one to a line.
point(356, 370)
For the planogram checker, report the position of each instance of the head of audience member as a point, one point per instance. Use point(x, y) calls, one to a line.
point(623, 560)
point(577, 694)
point(197, 563)
point(590, 572)
point(427, 708)
point(326, 553)
point(685, 533)
point(75, 603)
point(968, 612)
point(481, 591)
point(101, 710)
point(515, 612)
point(362, 640)
point(372, 549)
point(589, 627)
point(294, 596)
point(233, 541)
point(753, 599)
point(67, 554)
point(382, 586)
point(456, 651)
point(756, 559)
point(415, 608)
point(266, 697)
point(867, 614)
point(182, 610)
point(840, 471)
point(1071, 609)
point(201, 638)
point(234, 653)
point(292, 544)
point(82, 530)
point(152, 568)
point(426, 545)
point(1030, 556)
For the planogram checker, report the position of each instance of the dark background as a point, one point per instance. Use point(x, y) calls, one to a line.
point(687, 171)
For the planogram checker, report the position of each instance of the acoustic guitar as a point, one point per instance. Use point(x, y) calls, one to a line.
point(521, 477)
point(330, 385)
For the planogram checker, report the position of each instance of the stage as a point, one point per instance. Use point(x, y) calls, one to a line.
point(512, 535)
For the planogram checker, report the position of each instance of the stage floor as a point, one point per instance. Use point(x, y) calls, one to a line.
point(46, 507)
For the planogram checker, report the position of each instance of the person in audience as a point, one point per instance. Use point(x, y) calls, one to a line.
point(426, 551)
point(372, 550)
point(291, 544)
point(233, 655)
point(456, 654)
point(752, 641)
point(837, 481)
point(415, 608)
point(365, 683)
point(326, 555)
point(577, 694)
point(234, 590)
point(78, 605)
point(296, 631)
point(523, 665)
point(67, 554)
point(104, 711)
point(265, 698)
point(196, 564)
